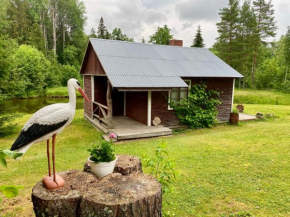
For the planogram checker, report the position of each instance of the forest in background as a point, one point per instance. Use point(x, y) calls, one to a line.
point(42, 43)
point(246, 42)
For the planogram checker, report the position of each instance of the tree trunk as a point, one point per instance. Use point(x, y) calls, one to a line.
point(125, 165)
point(63, 37)
point(109, 105)
point(54, 27)
point(63, 201)
point(135, 195)
point(286, 74)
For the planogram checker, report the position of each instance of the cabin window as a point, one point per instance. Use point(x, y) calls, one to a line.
point(178, 93)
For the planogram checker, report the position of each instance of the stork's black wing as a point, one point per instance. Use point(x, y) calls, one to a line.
point(34, 132)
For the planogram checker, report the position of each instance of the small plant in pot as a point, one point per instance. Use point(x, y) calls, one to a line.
point(102, 159)
point(234, 117)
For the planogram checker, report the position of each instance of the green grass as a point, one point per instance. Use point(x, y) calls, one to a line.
point(225, 170)
point(58, 91)
point(261, 97)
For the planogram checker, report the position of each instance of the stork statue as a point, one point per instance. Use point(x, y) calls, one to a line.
point(46, 123)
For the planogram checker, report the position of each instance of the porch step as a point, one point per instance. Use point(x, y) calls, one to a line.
point(141, 134)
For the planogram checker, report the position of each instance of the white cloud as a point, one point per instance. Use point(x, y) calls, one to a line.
point(140, 18)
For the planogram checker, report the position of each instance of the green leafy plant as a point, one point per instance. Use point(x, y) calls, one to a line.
point(161, 168)
point(235, 111)
point(102, 152)
point(9, 191)
point(7, 153)
point(199, 110)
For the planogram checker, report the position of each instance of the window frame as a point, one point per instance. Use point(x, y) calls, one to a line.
point(169, 92)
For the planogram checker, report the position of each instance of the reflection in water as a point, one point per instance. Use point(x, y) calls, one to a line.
point(30, 106)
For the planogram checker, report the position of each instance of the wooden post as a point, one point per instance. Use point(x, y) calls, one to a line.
point(149, 109)
point(233, 93)
point(109, 105)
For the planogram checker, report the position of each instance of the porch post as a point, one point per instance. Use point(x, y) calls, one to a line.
point(109, 105)
point(233, 95)
point(124, 103)
point(149, 109)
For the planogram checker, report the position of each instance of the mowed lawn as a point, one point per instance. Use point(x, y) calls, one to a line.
point(224, 171)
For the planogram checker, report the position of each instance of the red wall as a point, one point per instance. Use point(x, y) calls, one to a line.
point(168, 117)
point(88, 91)
point(136, 106)
point(91, 64)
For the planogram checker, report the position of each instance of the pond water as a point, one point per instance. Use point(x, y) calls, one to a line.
point(30, 106)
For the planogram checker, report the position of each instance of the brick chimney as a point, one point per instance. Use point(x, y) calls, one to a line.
point(175, 42)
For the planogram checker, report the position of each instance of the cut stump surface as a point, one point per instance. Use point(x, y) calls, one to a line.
point(63, 201)
point(116, 195)
point(125, 165)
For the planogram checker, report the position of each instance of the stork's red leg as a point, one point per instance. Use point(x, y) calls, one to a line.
point(53, 161)
point(48, 157)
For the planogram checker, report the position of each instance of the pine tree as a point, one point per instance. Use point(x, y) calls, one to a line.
point(228, 32)
point(287, 51)
point(198, 40)
point(102, 30)
point(266, 27)
point(93, 33)
point(247, 29)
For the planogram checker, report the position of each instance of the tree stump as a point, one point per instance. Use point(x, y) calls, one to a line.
point(64, 201)
point(119, 196)
point(125, 165)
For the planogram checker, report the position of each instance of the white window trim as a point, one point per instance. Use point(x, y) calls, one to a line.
point(169, 93)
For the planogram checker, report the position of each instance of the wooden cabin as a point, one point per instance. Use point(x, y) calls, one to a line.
point(130, 84)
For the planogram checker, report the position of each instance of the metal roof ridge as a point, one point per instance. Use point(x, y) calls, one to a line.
point(162, 45)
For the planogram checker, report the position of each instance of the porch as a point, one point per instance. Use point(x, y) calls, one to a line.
point(127, 128)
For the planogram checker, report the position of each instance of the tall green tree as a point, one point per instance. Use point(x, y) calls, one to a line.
point(31, 68)
point(266, 27)
point(118, 35)
point(246, 36)
point(102, 30)
point(161, 36)
point(228, 32)
point(22, 26)
point(287, 52)
point(93, 33)
point(198, 40)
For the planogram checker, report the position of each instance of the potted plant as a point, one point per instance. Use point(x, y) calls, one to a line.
point(102, 159)
point(240, 107)
point(234, 117)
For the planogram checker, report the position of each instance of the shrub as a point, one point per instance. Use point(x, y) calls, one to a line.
point(161, 168)
point(199, 109)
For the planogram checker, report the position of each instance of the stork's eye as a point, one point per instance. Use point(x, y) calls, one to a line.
point(78, 83)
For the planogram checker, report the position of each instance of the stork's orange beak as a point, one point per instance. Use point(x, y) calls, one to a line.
point(83, 94)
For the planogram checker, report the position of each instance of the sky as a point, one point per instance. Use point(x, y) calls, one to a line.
point(140, 18)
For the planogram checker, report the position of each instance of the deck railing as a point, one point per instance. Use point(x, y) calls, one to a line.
point(101, 113)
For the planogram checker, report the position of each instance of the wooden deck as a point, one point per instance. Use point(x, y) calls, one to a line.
point(246, 117)
point(127, 128)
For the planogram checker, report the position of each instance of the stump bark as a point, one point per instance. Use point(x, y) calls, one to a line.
point(127, 192)
point(134, 195)
point(64, 201)
point(125, 165)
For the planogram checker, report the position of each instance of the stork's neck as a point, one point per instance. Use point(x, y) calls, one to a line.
point(72, 96)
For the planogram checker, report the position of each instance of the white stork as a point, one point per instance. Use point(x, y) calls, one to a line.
point(46, 123)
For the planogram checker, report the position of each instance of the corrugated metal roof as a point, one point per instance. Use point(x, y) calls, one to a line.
point(136, 65)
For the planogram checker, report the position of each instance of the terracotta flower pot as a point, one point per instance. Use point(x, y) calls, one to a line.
point(234, 118)
point(103, 168)
point(240, 108)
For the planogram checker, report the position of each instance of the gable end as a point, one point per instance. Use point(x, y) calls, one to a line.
point(91, 64)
